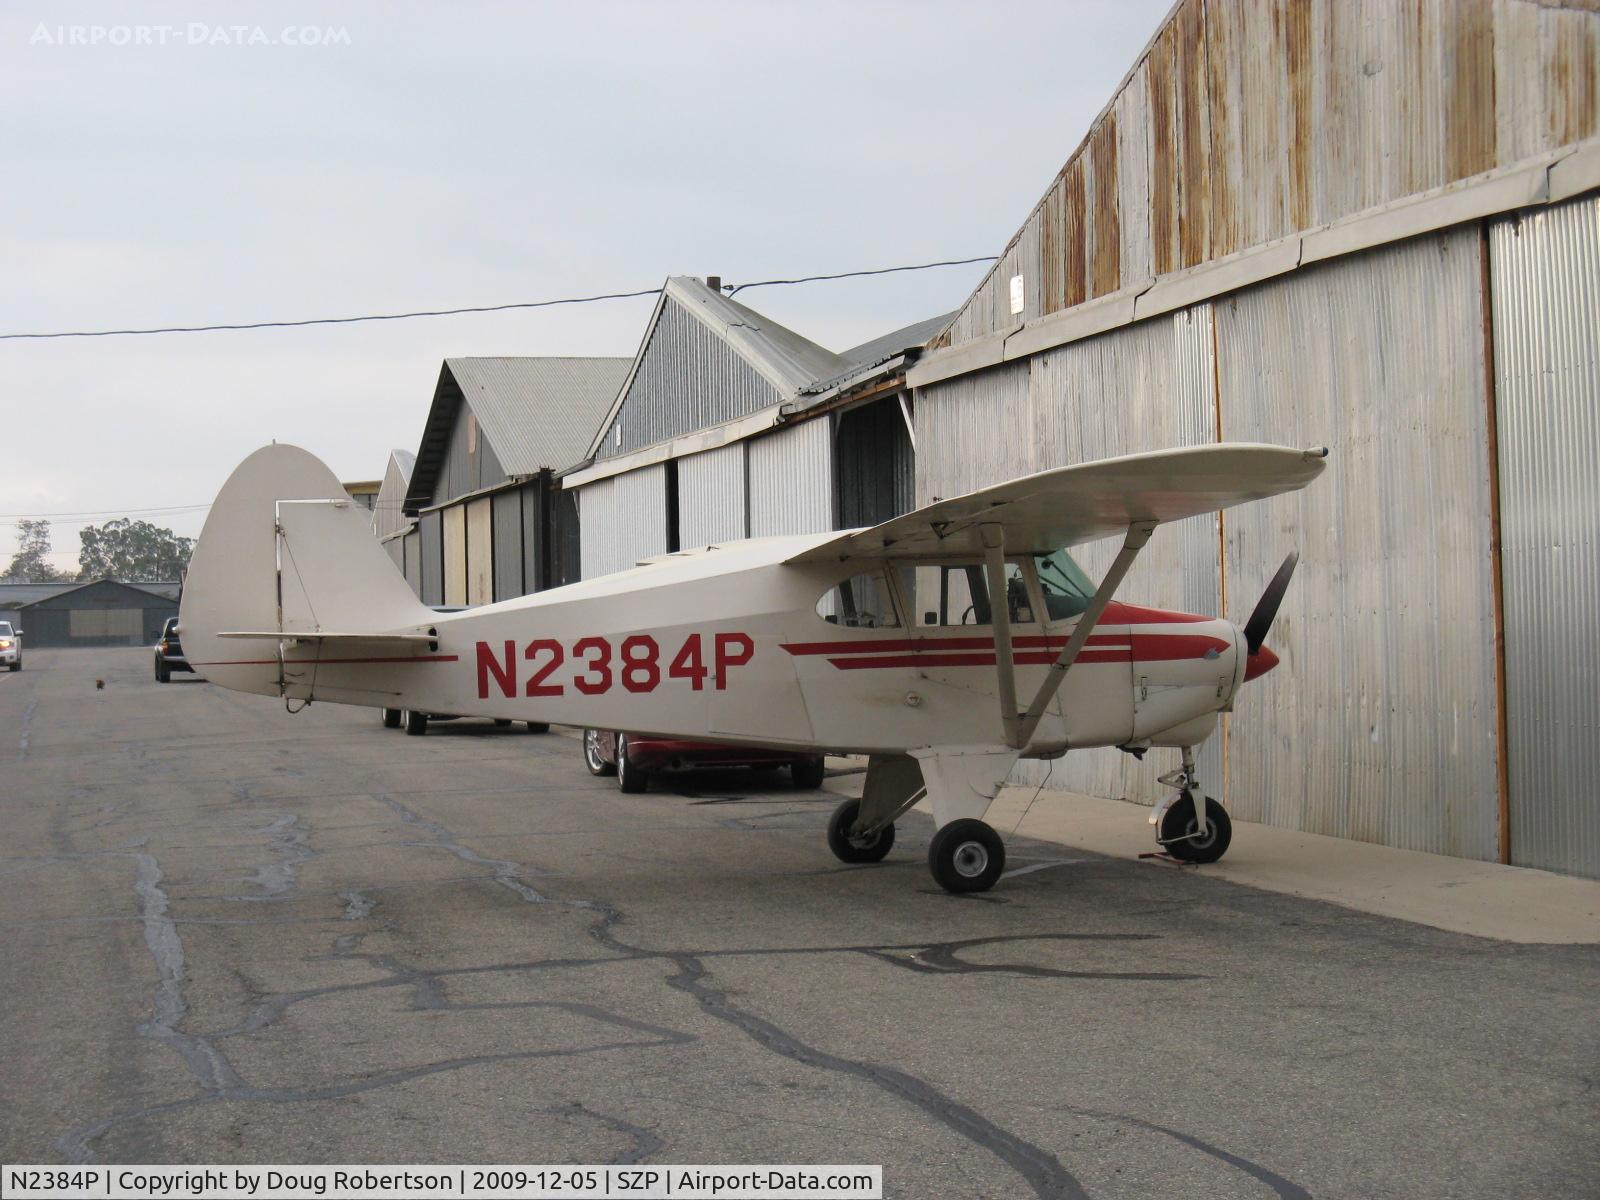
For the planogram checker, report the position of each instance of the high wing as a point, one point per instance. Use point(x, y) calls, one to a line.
point(1068, 505)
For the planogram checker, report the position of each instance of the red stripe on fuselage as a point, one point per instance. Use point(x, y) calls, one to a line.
point(300, 662)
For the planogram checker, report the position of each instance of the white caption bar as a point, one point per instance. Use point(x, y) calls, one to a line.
point(502, 1182)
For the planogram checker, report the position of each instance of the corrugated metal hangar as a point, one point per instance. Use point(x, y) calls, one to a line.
point(491, 520)
point(103, 613)
point(729, 425)
point(1374, 227)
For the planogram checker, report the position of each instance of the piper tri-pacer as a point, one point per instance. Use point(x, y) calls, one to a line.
point(944, 644)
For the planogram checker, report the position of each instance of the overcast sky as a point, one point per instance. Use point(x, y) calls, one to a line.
point(439, 156)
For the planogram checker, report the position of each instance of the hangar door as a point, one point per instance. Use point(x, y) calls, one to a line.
point(455, 555)
point(480, 552)
point(876, 472)
point(106, 624)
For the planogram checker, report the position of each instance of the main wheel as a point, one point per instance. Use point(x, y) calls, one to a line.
point(807, 773)
point(630, 778)
point(966, 856)
point(416, 723)
point(856, 850)
point(538, 726)
point(592, 756)
point(163, 673)
point(1178, 823)
point(391, 718)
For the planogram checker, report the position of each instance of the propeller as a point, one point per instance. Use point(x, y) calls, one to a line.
point(1260, 622)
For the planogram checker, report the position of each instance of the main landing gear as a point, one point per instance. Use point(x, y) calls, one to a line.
point(966, 855)
point(1181, 829)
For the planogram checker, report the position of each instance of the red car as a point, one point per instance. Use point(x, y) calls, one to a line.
point(633, 758)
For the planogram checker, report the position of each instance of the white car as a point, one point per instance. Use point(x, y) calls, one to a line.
point(10, 646)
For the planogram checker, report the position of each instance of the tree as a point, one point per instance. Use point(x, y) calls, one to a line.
point(31, 563)
point(133, 551)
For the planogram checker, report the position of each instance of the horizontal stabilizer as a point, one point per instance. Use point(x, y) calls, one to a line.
point(1069, 505)
point(274, 635)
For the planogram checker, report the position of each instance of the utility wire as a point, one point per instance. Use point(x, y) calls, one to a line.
point(952, 262)
point(452, 312)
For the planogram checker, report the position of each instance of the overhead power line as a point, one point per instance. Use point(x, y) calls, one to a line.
point(952, 262)
point(453, 312)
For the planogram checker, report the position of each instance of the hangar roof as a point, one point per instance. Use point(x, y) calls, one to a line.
point(537, 413)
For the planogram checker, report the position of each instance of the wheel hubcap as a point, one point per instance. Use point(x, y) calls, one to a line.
point(971, 858)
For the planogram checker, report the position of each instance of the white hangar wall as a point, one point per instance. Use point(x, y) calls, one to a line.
point(1381, 723)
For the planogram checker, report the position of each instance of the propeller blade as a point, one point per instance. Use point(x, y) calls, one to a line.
point(1255, 629)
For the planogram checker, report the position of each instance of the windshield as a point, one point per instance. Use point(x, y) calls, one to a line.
point(1067, 590)
point(5, 628)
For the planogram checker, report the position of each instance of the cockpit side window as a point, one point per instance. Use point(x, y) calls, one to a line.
point(958, 594)
point(861, 602)
point(1066, 589)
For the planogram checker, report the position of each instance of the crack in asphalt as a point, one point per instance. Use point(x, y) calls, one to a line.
point(645, 1143)
point(25, 730)
point(290, 842)
point(211, 1070)
point(1286, 1189)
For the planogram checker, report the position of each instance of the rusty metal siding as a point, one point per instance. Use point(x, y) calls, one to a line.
point(687, 379)
point(791, 479)
point(712, 505)
point(1380, 726)
point(1252, 120)
point(1545, 272)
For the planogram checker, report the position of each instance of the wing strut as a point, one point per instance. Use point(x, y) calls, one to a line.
point(1021, 730)
point(994, 558)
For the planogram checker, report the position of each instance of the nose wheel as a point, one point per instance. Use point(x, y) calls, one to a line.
point(1191, 826)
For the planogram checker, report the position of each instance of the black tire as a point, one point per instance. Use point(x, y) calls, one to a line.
point(16, 666)
point(391, 718)
point(1179, 821)
point(630, 778)
point(592, 758)
point(502, 723)
point(416, 723)
point(966, 856)
point(538, 726)
point(163, 673)
point(807, 773)
point(847, 849)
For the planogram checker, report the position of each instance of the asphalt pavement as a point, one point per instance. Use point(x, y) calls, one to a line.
point(236, 934)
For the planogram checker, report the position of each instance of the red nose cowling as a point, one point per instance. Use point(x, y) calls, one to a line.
point(1259, 663)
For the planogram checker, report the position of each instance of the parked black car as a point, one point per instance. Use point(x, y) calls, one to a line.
point(169, 652)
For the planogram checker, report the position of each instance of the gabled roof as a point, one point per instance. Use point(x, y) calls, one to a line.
point(20, 595)
point(387, 516)
point(780, 355)
point(537, 413)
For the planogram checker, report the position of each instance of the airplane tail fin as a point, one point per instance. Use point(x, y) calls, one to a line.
point(285, 553)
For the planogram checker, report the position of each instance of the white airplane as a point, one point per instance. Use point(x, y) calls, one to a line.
point(944, 644)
